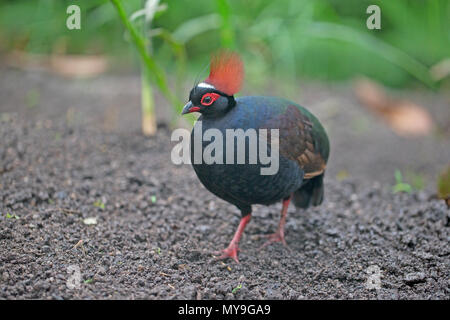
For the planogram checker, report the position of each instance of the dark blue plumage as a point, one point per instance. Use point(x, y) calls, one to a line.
point(243, 184)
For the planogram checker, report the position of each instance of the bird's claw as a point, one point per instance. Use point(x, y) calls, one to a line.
point(274, 237)
point(230, 252)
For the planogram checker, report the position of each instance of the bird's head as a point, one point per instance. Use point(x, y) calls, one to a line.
point(215, 95)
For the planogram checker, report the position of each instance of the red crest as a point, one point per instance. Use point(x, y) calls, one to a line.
point(226, 72)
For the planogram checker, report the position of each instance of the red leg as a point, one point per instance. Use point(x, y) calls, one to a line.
point(278, 236)
point(232, 249)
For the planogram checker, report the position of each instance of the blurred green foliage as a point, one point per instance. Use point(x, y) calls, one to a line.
point(400, 185)
point(444, 185)
point(286, 39)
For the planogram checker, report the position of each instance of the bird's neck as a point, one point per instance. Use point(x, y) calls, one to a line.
point(221, 113)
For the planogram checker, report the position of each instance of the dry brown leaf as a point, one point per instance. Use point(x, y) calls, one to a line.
point(73, 66)
point(78, 65)
point(24, 60)
point(405, 118)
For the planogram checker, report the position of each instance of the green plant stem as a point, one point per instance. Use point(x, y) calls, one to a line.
point(149, 62)
point(147, 105)
point(179, 52)
point(226, 28)
point(147, 98)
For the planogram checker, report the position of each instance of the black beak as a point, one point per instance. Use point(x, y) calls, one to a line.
point(186, 108)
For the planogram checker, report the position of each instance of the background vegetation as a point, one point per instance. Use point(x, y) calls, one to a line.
point(313, 39)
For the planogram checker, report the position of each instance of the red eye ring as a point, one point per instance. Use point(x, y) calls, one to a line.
point(212, 97)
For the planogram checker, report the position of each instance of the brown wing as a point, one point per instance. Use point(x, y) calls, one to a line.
point(297, 142)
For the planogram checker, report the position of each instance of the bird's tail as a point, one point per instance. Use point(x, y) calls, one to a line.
point(309, 194)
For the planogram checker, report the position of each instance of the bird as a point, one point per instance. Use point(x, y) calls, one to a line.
point(303, 148)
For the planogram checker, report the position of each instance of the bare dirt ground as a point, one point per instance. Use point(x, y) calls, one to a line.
point(71, 150)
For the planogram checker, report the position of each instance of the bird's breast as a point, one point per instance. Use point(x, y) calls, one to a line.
point(235, 160)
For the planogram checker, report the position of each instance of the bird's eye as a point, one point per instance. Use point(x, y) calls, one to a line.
point(209, 98)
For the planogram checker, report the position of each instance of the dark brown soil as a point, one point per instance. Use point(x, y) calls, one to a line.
point(71, 150)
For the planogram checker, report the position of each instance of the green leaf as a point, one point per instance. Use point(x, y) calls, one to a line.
point(398, 176)
point(400, 186)
point(444, 184)
point(416, 180)
point(226, 27)
point(11, 216)
point(388, 52)
point(236, 289)
point(193, 27)
point(99, 204)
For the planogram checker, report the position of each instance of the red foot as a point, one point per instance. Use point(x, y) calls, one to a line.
point(279, 235)
point(275, 237)
point(230, 252)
